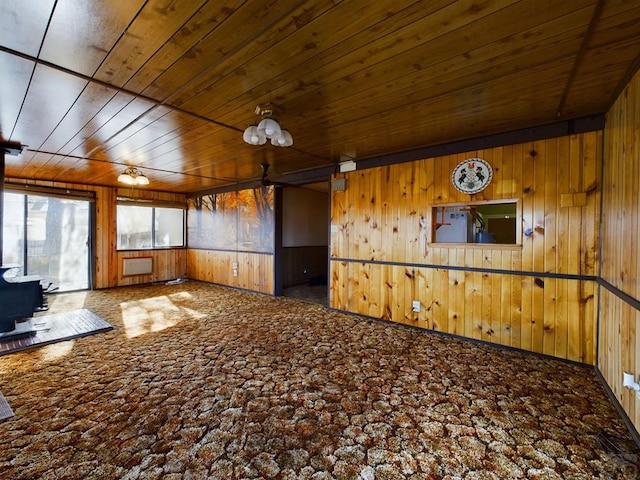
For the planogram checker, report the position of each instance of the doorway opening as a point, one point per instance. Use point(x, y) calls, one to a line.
point(305, 242)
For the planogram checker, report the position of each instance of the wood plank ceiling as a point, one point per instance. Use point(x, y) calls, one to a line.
point(90, 86)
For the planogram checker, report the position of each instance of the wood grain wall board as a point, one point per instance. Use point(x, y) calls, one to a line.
point(255, 270)
point(473, 307)
point(537, 313)
point(619, 345)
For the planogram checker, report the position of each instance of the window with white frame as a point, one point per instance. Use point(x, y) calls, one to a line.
point(144, 228)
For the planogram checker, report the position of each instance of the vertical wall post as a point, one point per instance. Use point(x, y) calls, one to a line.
point(1, 204)
point(11, 148)
point(278, 266)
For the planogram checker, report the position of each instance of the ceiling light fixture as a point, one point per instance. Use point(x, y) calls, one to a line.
point(133, 176)
point(267, 129)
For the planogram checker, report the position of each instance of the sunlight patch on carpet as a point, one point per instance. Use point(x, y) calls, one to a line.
point(149, 315)
point(56, 328)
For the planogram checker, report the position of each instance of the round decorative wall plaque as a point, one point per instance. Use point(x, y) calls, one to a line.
point(472, 175)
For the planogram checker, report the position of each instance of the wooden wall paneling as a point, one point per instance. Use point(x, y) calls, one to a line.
point(530, 312)
point(495, 319)
point(427, 199)
point(397, 221)
point(515, 301)
point(417, 215)
point(611, 360)
point(353, 299)
point(404, 294)
point(435, 300)
point(377, 202)
point(487, 296)
point(361, 283)
point(334, 291)
point(576, 159)
point(456, 304)
point(354, 183)
point(592, 186)
point(336, 219)
point(563, 220)
point(438, 186)
point(412, 294)
point(396, 296)
point(401, 200)
point(590, 314)
point(548, 158)
point(504, 319)
point(404, 281)
point(375, 291)
point(538, 172)
point(420, 293)
point(255, 270)
point(102, 240)
point(386, 292)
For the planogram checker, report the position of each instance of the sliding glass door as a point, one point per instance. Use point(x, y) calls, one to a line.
point(48, 236)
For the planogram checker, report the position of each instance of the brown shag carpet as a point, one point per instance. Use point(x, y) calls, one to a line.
point(202, 382)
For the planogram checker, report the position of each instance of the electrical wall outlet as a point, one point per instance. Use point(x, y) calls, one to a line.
point(416, 305)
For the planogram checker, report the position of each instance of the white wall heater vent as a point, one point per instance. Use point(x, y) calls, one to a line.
point(137, 266)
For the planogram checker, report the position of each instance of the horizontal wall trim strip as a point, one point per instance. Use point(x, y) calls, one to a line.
point(522, 273)
point(229, 250)
point(634, 302)
point(88, 195)
point(541, 132)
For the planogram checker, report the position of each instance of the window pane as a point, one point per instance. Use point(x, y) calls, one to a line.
point(134, 227)
point(13, 229)
point(58, 241)
point(169, 228)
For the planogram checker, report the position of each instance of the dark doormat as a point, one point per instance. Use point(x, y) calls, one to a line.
point(55, 328)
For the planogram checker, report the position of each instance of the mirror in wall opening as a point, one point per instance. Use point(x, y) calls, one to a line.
point(483, 222)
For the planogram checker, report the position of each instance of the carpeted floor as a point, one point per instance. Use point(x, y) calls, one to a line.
point(197, 382)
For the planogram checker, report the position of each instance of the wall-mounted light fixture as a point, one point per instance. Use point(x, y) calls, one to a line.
point(133, 176)
point(268, 128)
